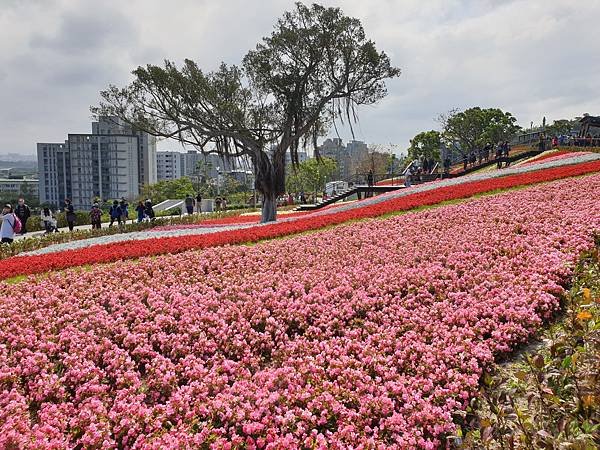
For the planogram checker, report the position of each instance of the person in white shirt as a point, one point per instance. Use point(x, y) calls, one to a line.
point(7, 229)
point(48, 220)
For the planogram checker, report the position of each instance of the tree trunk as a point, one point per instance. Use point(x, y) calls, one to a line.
point(270, 182)
point(269, 208)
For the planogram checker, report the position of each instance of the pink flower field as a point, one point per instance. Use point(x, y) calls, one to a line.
point(368, 335)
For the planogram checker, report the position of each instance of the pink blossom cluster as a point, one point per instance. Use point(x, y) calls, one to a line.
point(368, 335)
point(555, 156)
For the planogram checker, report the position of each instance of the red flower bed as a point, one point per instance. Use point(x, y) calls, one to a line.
point(549, 155)
point(21, 265)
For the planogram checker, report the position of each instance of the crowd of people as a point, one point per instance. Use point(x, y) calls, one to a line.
point(14, 220)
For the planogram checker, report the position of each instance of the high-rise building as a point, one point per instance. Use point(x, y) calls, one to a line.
point(103, 166)
point(54, 168)
point(146, 146)
point(106, 164)
point(170, 165)
point(346, 156)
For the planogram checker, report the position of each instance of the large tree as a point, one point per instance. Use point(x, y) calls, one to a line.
point(314, 69)
point(475, 127)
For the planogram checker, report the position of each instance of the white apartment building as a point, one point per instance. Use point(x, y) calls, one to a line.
point(54, 173)
point(103, 166)
point(170, 165)
point(19, 186)
point(111, 162)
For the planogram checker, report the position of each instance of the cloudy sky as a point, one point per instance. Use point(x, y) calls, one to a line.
point(530, 57)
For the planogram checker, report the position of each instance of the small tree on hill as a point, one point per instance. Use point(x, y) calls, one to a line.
point(311, 175)
point(474, 127)
point(314, 69)
point(425, 145)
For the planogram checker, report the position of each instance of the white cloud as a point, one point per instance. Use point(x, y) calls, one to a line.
point(531, 57)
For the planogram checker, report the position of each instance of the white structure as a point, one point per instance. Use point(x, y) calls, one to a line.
point(170, 165)
point(19, 186)
point(146, 146)
point(110, 163)
point(54, 168)
point(346, 156)
point(103, 166)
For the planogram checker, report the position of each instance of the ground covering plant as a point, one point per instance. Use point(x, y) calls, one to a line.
point(29, 264)
point(550, 396)
point(371, 335)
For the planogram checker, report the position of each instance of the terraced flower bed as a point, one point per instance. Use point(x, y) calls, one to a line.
point(30, 264)
point(371, 335)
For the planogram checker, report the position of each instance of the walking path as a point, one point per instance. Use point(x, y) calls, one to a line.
point(149, 234)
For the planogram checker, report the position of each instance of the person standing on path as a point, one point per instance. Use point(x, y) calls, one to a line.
point(96, 217)
point(140, 209)
point(218, 204)
point(9, 220)
point(189, 204)
point(124, 211)
point(23, 212)
point(199, 203)
point(115, 214)
point(70, 214)
point(149, 209)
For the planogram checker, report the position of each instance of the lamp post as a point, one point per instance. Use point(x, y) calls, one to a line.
point(218, 181)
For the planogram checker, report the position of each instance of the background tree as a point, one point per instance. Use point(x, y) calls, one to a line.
point(474, 127)
point(168, 189)
point(561, 126)
point(311, 175)
point(315, 68)
point(425, 145)
point(379, 163)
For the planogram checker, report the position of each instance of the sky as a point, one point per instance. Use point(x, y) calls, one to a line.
point(534, 58)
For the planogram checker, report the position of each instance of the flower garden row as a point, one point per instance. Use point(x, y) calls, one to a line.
point(31, 264)
point(556, 155)
point(370, 335)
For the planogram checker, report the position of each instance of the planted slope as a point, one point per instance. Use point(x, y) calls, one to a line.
point(374, 333)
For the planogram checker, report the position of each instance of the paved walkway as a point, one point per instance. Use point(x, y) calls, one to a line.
point(149, 234)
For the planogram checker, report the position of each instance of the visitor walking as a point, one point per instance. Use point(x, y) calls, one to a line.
point(140, 209)
point(218, 204)
point(124, 210)
point(223, 204)
point(115, 214)
point(9, 224)
point(48, 220)
point(23, 212)
point(189, 204)
point(499, 157)
point(199, 203)
point(370, 178)
point(506, 153)
point(70, 214)
point(96, 217)
point(149, 209)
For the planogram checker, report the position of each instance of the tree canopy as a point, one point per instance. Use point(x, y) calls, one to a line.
point(168, 189)
point(314, 70)
point(473, 128)
point(311, 175)
point(425, 145)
